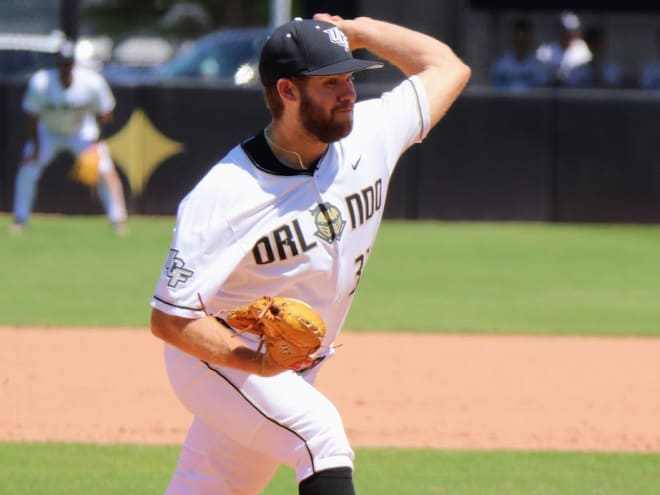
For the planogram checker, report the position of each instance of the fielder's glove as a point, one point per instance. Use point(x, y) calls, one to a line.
point(86, 168)
point(290, 329)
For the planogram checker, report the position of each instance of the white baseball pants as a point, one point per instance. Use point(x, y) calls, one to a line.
point(245, 426)
point(50, 145)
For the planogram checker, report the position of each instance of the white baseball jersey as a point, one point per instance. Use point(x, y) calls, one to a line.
point(69, 111)
point(254, 227)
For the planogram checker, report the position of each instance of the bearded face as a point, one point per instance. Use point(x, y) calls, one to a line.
point(326, 124)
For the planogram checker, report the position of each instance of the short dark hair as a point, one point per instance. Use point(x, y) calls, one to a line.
point(274, 100)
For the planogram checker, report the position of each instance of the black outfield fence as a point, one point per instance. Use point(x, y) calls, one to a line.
point(551, 155)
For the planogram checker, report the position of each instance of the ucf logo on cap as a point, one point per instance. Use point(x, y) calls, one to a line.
point(337, 37)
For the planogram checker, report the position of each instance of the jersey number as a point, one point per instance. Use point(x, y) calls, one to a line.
point(359, 264)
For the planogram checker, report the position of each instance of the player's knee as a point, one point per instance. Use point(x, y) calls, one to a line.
point(337, 481)
point(328, 448)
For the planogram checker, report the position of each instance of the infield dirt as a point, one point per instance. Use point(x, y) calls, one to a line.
point(398, 390)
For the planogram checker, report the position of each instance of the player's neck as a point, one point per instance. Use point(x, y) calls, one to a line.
point(65, 76)
point(296, 152)
point(66, 80)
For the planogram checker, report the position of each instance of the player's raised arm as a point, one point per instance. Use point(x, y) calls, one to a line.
point(444, 74)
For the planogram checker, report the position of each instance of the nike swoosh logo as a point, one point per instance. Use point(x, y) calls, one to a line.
point(354, 165)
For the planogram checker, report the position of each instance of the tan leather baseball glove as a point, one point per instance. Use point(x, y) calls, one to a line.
point(290, 329)
point(86, 167)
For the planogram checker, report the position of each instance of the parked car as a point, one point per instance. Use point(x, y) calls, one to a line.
point(137, 55)
point(22, 54)
point(227, 56)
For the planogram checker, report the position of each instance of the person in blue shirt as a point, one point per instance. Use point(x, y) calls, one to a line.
point(519, 69)
point(600, 71)
point(650, 74)
point(568, 51)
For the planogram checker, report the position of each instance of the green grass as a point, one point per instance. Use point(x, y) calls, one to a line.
point(422, 276)
point(512, 278)
point(73, 469)
point(76, 469)
point(75, 271)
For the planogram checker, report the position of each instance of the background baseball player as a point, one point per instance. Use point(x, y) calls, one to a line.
point(292, 211)
point(62, 106)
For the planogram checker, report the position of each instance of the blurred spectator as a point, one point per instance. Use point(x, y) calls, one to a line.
point(568, 51)
point(600, 71)
point(519, 69)
point(650, 75)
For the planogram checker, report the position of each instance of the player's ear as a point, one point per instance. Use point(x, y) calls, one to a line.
point(287, 89)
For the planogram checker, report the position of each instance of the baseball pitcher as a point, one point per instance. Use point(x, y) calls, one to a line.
point(270, 246)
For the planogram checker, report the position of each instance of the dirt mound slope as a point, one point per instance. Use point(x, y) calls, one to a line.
point(398, 390)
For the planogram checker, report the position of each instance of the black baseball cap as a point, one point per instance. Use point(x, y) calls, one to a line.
point(306, 47)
